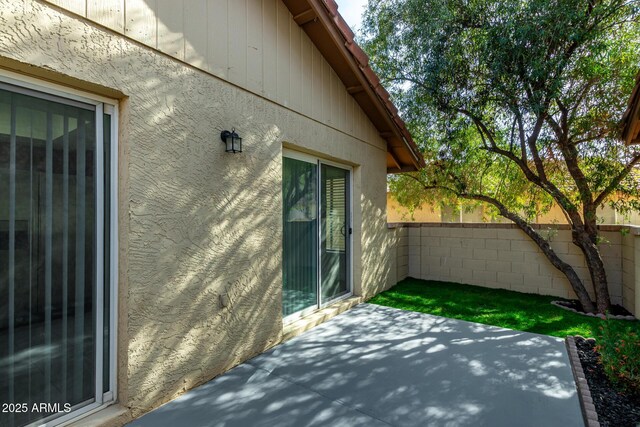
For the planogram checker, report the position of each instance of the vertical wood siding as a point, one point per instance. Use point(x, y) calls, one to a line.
point(254, 44)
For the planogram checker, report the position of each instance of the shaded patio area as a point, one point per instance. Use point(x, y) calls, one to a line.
point(377, 366)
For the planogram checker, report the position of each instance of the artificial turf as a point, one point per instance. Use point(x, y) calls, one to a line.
point(498, 307)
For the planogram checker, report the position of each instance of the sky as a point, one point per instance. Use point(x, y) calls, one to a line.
point(351, 11)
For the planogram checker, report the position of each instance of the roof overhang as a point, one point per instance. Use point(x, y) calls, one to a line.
point(334, 39)
point(631, 118)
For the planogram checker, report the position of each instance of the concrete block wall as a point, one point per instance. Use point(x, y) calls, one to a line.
point(631, 269)
point(402, 247)
point(502, 256)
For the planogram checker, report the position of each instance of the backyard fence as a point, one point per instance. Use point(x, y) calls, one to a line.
point(502, 256)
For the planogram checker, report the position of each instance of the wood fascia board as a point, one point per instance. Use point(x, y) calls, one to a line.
point(631, 133)
point(305, 17)
point(391, 154)
point(403, 169)
point(387, 135)
point(631, 118)
point(322, 15)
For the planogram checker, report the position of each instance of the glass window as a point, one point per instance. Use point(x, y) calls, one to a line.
point(316, 227)
point(48, 242)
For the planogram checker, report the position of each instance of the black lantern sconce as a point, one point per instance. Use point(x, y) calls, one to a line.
point(232, 141)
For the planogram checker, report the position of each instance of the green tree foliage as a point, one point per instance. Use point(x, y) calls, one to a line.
point(516, 104)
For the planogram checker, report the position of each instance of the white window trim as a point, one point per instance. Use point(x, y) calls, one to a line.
point(108, 106)
point(53, 88)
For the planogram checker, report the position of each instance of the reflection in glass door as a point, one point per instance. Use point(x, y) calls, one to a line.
point(300, 257)
point(334, 232)
point(316, 226)
point(51, 269)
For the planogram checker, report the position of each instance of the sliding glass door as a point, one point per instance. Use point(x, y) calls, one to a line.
point(300, 273)
point(335, 230)
point(54, 315)
point(316, 246)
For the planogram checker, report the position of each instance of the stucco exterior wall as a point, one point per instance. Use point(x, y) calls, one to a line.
point(254, 44)
point(196, 223)
point(502, 256)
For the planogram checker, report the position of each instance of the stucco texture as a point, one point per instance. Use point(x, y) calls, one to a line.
point(196, 223)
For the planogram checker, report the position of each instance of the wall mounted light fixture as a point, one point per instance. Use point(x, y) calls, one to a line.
point(232, 141)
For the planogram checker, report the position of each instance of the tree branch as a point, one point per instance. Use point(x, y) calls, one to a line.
point(590, 138)
point(617, 180)
point(570, 155)
point(533, 148)
point(521, 133)
point(541, 242)
point(581, 97)
point(540, 181)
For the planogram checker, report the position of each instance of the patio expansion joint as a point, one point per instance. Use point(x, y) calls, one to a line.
point(337, 401)
point(584, 394)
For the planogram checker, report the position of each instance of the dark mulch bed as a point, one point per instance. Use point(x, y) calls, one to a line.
point(614, 408)
point(616, 310)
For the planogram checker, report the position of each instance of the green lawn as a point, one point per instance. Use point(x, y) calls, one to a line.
point(508, 309)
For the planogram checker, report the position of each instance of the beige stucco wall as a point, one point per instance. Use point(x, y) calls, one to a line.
point(398, 213)
point(502, 256)
point(196, 223)
point(434, 213)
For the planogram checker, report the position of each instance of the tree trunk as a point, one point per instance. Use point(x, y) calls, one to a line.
point(572, 276)
point(565, 268)
point(596, 269)
point(543, 244)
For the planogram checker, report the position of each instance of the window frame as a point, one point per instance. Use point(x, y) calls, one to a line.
point(319, 161)
point(46, 90)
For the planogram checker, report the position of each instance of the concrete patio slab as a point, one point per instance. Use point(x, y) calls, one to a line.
point(376, 365)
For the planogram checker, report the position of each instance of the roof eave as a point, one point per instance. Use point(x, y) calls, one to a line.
point(334, 39)
point(631, 119)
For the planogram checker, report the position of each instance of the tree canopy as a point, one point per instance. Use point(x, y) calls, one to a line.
point(515, 103)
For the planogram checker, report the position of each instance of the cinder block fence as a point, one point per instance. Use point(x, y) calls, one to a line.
point(502, 256)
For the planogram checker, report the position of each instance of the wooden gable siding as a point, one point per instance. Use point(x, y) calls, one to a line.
point(254, 44)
